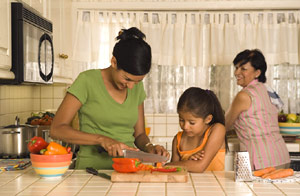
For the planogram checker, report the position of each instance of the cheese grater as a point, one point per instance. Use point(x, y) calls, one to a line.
point(242, 167)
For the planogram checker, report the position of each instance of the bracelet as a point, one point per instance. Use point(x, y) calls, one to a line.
point(148, 144)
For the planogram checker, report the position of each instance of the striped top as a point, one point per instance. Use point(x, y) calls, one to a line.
point(258, 130)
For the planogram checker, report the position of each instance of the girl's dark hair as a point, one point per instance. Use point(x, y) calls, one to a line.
point(132, 53)
point(256, 59)
point(201, 103)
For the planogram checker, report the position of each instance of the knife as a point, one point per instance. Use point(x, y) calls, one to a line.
point(96, 173)
point(142, 156)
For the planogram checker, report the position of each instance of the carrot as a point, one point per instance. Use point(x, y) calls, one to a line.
point(264, 171)
point(281, 174)
point(271, 173)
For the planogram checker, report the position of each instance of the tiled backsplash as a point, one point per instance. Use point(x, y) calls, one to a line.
point(22, 100)
point(163, 128)
point(163, 125)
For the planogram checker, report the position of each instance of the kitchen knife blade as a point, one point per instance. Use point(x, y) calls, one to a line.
point(142, 156)
point(96, 173)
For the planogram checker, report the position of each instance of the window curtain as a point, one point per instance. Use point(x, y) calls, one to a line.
point(190, 48)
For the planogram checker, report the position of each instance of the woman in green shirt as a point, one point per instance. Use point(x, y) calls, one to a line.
point(110, 106)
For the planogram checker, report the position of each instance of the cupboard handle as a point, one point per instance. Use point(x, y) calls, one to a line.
point(63, 56)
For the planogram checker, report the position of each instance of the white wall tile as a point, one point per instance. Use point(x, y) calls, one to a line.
point(2, 90)
point(36, 105)
point(18, 92)
point(173, 119)
point(12, 92)
point(149, 118)
point(47, 92)
point(4, 106)
point(46, 104)
point(28, 105)
point(160, 119)
point(172, 129)
point(18, 105)
point(56, 103)
point(59, 92)
point(160, 130)
point(36, 92)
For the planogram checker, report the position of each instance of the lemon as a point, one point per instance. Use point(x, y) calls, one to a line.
point(291, 117)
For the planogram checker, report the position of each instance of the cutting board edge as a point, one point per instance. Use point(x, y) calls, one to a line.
point(150, 177)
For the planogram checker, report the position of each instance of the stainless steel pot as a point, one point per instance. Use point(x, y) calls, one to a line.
point(14, 140)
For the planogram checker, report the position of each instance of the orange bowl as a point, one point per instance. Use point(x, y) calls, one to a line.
point(50, 165)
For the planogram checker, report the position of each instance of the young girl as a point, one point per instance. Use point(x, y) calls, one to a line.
point(201, 119)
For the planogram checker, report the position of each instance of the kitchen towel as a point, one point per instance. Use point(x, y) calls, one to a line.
point(274, 97)
point(14, 164)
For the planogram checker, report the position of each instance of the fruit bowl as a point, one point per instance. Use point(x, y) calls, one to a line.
point(50, 165)
point(289, 128)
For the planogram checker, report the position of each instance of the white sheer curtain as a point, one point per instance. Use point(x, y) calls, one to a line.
point(185, 45)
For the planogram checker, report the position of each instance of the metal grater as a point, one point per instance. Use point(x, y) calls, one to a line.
point(242, 167)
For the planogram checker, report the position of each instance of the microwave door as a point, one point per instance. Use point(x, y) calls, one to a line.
point(46, 58)
point(31, 37)
point(49, 60)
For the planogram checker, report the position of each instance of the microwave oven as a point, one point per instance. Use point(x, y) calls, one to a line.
point(32, 46)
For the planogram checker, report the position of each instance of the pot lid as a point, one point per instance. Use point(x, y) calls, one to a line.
point(17, 124)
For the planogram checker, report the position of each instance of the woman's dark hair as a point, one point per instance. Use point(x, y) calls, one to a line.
point(256, 59)
point(201, 103)
point(132, 53)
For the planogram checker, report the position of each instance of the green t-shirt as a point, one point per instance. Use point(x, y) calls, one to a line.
point(101, 114)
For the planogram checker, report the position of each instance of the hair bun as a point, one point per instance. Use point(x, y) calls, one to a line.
point(132, 33)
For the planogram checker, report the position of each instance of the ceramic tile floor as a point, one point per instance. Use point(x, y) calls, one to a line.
point(79, 183)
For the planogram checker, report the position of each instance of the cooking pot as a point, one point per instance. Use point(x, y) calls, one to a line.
point(14, 140)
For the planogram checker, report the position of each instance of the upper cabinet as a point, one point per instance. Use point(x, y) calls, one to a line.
point(62, 39)
point(38, 5)
point(5, 42)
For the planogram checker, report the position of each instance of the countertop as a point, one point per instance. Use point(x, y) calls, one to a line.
point(78, 182)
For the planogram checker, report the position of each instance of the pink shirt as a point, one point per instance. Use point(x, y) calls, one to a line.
point(258, 130)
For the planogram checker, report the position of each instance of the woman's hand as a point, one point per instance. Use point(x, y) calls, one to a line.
point(115, 148)
point(197, 156)
point(157, 149)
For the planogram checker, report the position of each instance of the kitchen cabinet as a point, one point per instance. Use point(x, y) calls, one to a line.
point(5, 43)
point(35, 4)
point(62, 40)
point(42, 6)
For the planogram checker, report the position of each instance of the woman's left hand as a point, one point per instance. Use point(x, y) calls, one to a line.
point(158, 149)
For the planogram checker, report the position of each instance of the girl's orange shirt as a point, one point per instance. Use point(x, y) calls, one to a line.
point(218, 162)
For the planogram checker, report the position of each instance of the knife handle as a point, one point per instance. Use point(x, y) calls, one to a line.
point(101, 149)
point(91, 170)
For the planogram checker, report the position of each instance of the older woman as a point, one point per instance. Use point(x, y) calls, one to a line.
point(253, 116)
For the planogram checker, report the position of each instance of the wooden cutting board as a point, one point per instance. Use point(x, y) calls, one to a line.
point(147, 176)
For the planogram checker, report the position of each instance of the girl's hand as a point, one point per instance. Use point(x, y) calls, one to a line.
point(114, 148)
point(158, 149)
point(197, 156)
